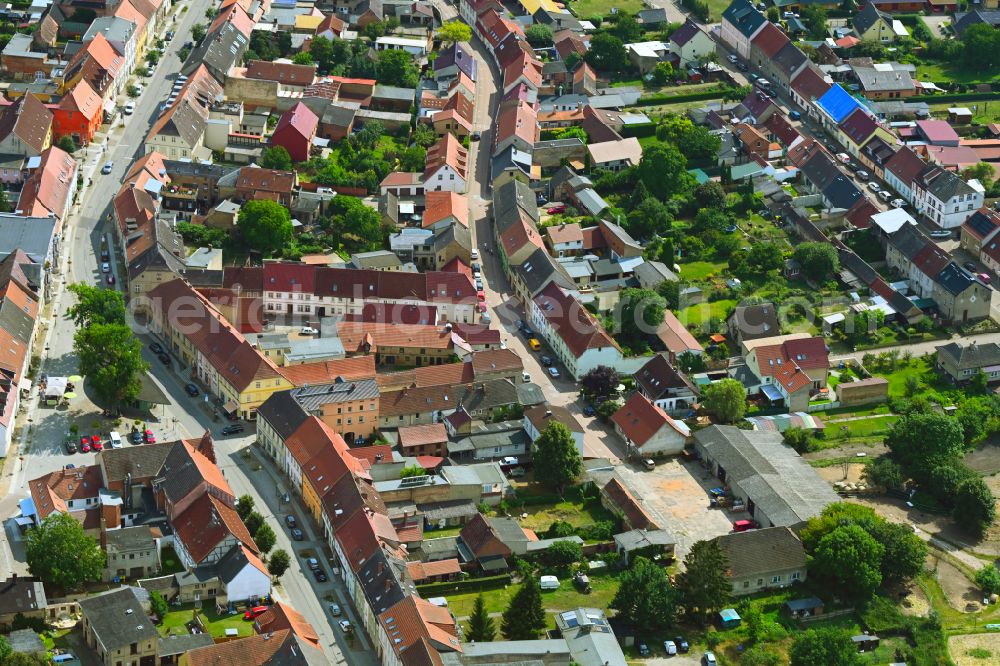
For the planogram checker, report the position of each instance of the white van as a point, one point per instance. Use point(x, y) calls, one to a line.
point(63, 658)
point(116, 439)
point(549, 583)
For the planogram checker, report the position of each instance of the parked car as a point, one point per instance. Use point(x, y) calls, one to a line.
point(155, 348)
point(334, 609)
point(477, 135)
point(863, 175)
point(899, 203)
point(546, 360)
point(558, 208)
point(643, 648)
point(106, 169)
point(742, 66)
point(554, 373)
point(345, 626)
point(670, 648)
point(232, 429)
point(254, 612)
point(795, 115)
point(291, 521)
point(480, 295)
point(296, 534)
point(312, 563)
point(319, 575)
point(885, 195)
point(70, 446)
point(136, 437)
point(170, 35)
point(308, 330)
point(708, 659)
point(940, 233)
point(130, 108)
point(96, 444)
point(874, 187)
point(481, 307)
point(149, 437)
point(969, 266)
point(109, 278)
point(588, 410)
point(733, 59)
point(682, 644)
point(192, 390)
point(85, 444)
point(105, 267)
point(164, 359)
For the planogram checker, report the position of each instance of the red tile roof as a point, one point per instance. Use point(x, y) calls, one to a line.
point(443, 205)
point(299, 118)
point(809, 83)
point(48, 188)
point(413, 620)
point(639, 419)
point(859, 126)
point(351, 369)
point(571, 321)
point(516, 119)
point(635, 515)
point(905, 165)
point(447, 152)
point(282, 616)
point(206, 523)
point(769, 40)
point(282, 72)
point(786, 361)
point(420, 571)
point(421, 435)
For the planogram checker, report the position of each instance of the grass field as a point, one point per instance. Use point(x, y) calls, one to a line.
point(701, 313)
point(694, 271)
point(984, 111)
point(938, 72)
point(175, 621)
point(171, 563)
point(584, 9)
point(874, 427)
point(567, 597)
point(577, 514)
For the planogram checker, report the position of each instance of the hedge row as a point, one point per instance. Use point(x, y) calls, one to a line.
point(956, 97)
point(655, 100)
point(639, 130)
point(470, 585)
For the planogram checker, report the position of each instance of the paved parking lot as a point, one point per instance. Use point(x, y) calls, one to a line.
point(677, 494)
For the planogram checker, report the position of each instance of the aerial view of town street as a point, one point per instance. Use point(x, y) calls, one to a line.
point(499, 332)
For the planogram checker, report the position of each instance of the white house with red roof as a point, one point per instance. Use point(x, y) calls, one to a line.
point(790, 367)
point(575, 336)
point(648, 429)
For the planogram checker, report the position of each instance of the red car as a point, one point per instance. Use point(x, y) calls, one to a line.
point(149, 437)
point(110, 278)
point(96, 444)
point(481, 295)
point(558, 208)
point(85, 444)
point(254, 612)
point(481, 307)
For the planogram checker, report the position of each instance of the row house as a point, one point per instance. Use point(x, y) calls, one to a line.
point(48, 190)
point(78, 115)
point(220, 357)
point(446, 167)
point(978, 234)
point(740, 24)
point(317, 292)
point(945, 198)
point(857, 129)
point(25, 127)
point(808, 86)
point(179, 132)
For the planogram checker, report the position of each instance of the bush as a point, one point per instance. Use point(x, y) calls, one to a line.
point(471, 585)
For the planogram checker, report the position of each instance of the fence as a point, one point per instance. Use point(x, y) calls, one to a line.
point(822, 406)
point(457, 586)
point(825, 616)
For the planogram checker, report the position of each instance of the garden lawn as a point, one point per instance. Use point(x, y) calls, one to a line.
point(171, 564)
point(897, 378)
point(874, 427)
point(567, 597)
point(584, 9)
point(702, 313)
point(948, 72)
point(176, 620)
point(695, 271)
point(572, 511)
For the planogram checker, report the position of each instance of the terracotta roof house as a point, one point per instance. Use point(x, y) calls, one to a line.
point(446, 167)
point(617, 498)
point(444, 208)
point(808, 85)
point(287, 73)
point(647, 429)
point(207, 531)
point(280, 647)
point(796, 368)
point(575, 336)
point(295, 132)
point(47, 191)
point(516, 126)
point(281, 616)
point(98, 64)
point(430, 439)
point(78, 115)
point(479, 541)
point(676, 338)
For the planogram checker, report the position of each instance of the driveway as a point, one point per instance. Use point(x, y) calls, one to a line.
point(676, 493)
point(936, 25)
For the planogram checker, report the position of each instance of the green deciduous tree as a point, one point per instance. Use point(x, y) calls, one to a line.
point(923, 441)
point(905, 552)
point(157, 604)
point(412, 470)
point(244, 507)
point(562, 555)
point(662, 74)
point(67, 143)
point(650, 216)
point(524, 618)
point(359, 226)
point(981, 47)
point(265, 538)
point(253, 522)
point(276, 157)
point(695, 142)
point(710, 194)
point(303, 58)
point(482, 628)
point(266, 226)
point(819, 260)
point(645, 599)
point(703, 585)
point(198, 32)
point(538, 35)
point(396, 68)
point(663, 169)
point(975, 507)
point(883, 473)
point(111, 359)
point(454, 31)
point(984, 172)
point(61, 554)
point(607, 54)
point(626, 28)
point(725, 401)
point(814, 16)
point(988, 579)
point(827, 646)
point(557, 461)
point(278, 563)
point(640, 313)
point(95, 305)
point(5, 650)
point(800, 439)
point(851, 558)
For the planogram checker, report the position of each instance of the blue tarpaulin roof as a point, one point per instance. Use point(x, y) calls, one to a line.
point(27, 507)
point(837, 103)
point(729, 615)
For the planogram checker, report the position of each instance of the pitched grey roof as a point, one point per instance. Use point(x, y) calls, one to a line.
point(453, 233)
point(140, 461)
point(33, 235)
point(21, 595)
point(757, 552)
point(510, 197)
point(118, 619)
point(782, 485)
point(972, 355)
point(756, 321)
point(636, 539)
point(654, 272)
point(866, 18)
point(965, 20)
point(944, 184)
point(908, 241)
point(283, 413)
point(538, 270)
point(219, 52)
point(312, 397)
point(176, 644)
point(789, 59)
point(231, 564)
point(954, 279)
point(130, 538)
point(657, 378)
